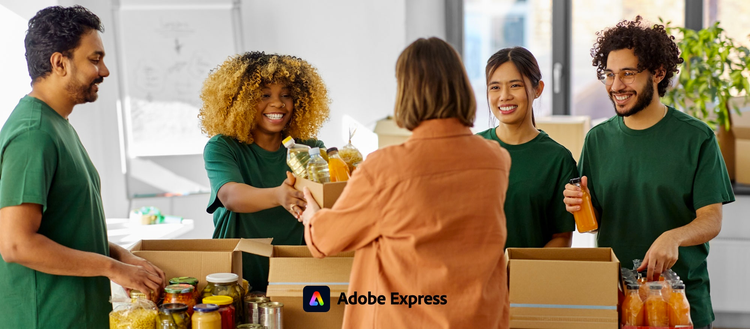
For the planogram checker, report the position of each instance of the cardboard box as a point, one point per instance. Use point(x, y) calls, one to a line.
point(569, 131)
point(389, 133)
point(574, 288)
point(199, 258)
point(291, 269)
point(324, 194)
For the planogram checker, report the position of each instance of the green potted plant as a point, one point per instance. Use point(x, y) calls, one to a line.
point(715, 70)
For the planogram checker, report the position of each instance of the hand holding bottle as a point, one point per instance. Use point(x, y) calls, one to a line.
point(578, 202)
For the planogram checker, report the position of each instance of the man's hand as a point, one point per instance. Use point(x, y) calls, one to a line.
point(289, 198)
point(138, 277)
point(661, 256)
point(311, 209)
point(574, 196)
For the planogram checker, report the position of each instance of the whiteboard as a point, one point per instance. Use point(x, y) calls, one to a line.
point(166, 51)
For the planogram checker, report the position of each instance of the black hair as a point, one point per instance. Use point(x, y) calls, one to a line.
point(56, 29)
point(525, 63)
point(652, 45)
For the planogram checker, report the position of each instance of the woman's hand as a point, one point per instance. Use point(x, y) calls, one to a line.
point(289, 198)
point(574, 195)
point(311, 209)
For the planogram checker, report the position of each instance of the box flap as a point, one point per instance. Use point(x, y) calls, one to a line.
point(261, 247)
point(572, 254)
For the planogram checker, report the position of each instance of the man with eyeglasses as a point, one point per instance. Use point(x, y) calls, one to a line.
point(656, 176)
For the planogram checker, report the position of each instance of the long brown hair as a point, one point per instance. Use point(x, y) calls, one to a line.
point(525, 63)
point(432, 84)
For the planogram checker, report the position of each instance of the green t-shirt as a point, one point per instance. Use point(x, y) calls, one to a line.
point(228, 160)
point(534, 210)
point(646, 182)
point(42, 161)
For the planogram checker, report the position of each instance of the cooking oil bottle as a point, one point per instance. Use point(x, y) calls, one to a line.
point(317, 167)
point(339, 170)
point(297, 156)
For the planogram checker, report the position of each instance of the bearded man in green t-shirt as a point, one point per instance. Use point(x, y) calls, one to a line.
point(656, 176)
point(56, 262)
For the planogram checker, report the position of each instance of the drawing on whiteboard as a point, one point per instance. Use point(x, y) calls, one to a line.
point(166, 54)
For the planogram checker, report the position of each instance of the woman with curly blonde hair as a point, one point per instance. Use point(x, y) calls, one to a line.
point(251, 102)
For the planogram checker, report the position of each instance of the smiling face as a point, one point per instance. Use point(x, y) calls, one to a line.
point(86, 69)
point(628, 99)
point(507, 94)
point(275, 109)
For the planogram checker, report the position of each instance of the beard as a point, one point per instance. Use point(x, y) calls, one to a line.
point(83, 93)
point(643, 99)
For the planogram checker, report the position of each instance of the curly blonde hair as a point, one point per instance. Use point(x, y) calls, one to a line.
point(232, 91)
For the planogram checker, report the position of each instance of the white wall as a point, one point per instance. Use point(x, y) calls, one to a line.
point(354, 45)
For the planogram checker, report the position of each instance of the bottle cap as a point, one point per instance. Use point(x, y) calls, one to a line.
point(203, 308)
point(173, 307)
point(678, 285)
point(576, 180)
point(288, 141)
point(314, 151)
point(332, 149)
point(179, 288)
point(222, 278)
point(632, 286)
point(654, 285)
point(218, 300)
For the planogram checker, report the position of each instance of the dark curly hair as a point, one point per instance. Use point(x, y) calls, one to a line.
point(654, 48)
point(56, 29)
point(232, 91)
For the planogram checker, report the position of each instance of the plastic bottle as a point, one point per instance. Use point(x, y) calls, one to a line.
point(632, 307)
point(656, 307)
point(679, 307)
point(339, 170)
point(585, 217)
point(317, 167)
point(297, 156)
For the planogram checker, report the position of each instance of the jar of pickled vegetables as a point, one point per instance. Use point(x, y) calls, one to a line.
point(206, 316)
point(225, 284)
point(173, 316)
point(226, 309)
point(180, 293)
point(188, 280)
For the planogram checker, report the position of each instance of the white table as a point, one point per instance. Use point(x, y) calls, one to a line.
point(125, 234)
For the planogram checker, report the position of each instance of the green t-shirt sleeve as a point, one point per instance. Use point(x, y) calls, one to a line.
point(221, 167)
point(711, 184)
point(29, 162)
point(563, 220)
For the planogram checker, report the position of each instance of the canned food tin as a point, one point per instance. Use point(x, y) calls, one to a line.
point(272, 315)
point(252, 314)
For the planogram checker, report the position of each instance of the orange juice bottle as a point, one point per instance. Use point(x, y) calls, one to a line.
point(632, 307)
point(656, 307)
point(679, 307)
point(338, 168)
point(585, 218)
point(643, 288)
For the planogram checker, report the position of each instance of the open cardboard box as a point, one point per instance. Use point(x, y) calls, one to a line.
point(291, 269)
point(574, 288)
point(324, 194)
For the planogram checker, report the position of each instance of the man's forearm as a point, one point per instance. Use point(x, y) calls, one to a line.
point(44, 255)
point(705, 226)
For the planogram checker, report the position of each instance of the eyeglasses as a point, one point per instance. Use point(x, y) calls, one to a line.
point(626, 76)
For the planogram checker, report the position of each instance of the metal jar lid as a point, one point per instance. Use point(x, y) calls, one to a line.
point(179, 289)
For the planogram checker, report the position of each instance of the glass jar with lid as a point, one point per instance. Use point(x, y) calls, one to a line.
point(188, 280)
point(225, 284)
point(180, 293)
point(226, 309)
point(206, 316)
point(173, 316)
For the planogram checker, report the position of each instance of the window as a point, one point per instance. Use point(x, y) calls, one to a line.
point(14, 79)
point(490, 25)
point(590, 16)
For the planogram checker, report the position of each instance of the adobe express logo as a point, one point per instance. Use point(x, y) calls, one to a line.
point(316, 299)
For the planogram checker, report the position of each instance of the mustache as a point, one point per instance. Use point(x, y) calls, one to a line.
point(100, 80)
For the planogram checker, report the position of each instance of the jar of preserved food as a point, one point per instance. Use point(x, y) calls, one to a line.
point(173, 316)
point(225, 284)
point(226, 309)
point(188, 280)
point(206, 316)
point(180, 293)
